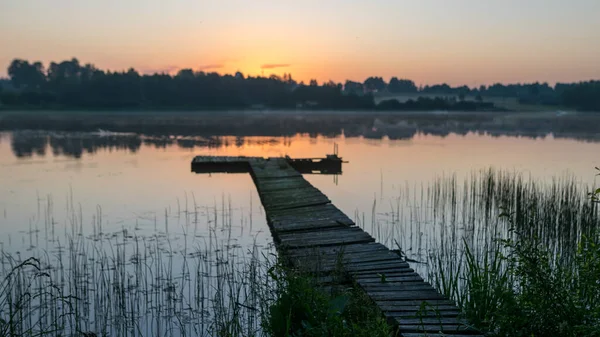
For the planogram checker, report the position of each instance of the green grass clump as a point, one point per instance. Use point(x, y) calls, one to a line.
point(519, 288)
point(524, 284)
point(302, 308)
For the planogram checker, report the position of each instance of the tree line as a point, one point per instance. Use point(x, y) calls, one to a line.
point(70, 84)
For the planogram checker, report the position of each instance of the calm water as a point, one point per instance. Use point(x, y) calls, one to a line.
point(123, 198)
point(141, 184)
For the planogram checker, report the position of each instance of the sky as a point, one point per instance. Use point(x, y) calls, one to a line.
point(470, 42)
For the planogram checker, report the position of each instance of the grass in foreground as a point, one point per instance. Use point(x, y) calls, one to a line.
point(521, 287)
point(302, 308)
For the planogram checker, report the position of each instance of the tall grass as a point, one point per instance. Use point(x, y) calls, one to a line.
point(303, 307)
point(528, 263)
point(169, 282)
point(519, 256)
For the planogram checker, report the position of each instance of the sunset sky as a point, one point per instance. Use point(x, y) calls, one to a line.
point(469, 42)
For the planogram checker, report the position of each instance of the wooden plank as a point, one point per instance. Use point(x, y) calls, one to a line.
point(343, 250)
point(410, 277)
point(295, 203)
point(430, 321)
point(387, 287)
point(406, 295)
point(385, 271)
point(272, 174)
point(338, 217)
point(298, 192)
point(325, 232)
point(350, 268)
point(290, 225)
point(426, 305)
point(304, 211)
point(417, 312)
point(291, 195)
point(357, 258)
point(435, 328)
point(328, 241)
point(292, 198)
point(332, 234)
point(274, 185)
point(309, 211)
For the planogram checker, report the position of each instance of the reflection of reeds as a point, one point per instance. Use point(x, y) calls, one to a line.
point(176, 282)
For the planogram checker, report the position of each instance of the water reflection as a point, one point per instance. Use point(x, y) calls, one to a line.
point(26, 144)
point(75, 144)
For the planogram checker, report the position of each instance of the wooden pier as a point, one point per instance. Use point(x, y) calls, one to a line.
point(313, 235)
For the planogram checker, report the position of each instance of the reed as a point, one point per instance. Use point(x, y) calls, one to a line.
point(520, 258)
point(178, 280)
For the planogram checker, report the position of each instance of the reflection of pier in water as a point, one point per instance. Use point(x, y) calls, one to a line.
point(330, 165)
point(314, 236)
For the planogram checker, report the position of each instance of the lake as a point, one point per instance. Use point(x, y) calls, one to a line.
point(70, 194)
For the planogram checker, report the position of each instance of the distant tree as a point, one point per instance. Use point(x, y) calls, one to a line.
point(186, 74)
point(375, 84)
point(401, 86)
point(25, 75)
point(440, 89)
point(70, 84)
point(583, 96)
point(461, 96)
point(66, 72)
point(351, 87)
point(330, 84)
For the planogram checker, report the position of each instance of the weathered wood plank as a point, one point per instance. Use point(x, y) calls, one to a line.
point(406, 295)
point(305, 210)
point(343, 250)
point(291, 226)
point(274, 185)
point(416, 312)
point(426, 305)
point(356, 258)
point(430, 320)
point(294, 203)
point(387, 287)
point(328, 241)
point(317, 212)
point(410, 277)
point(436, 328)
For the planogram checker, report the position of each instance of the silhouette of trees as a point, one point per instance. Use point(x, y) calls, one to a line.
point(25, 75)
point(71, 85)
point(356, 88)
point(583, 95)
point(375, 84)
point(402, 86)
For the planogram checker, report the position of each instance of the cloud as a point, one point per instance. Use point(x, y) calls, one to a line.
point(275, 65)
point(210, 66)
